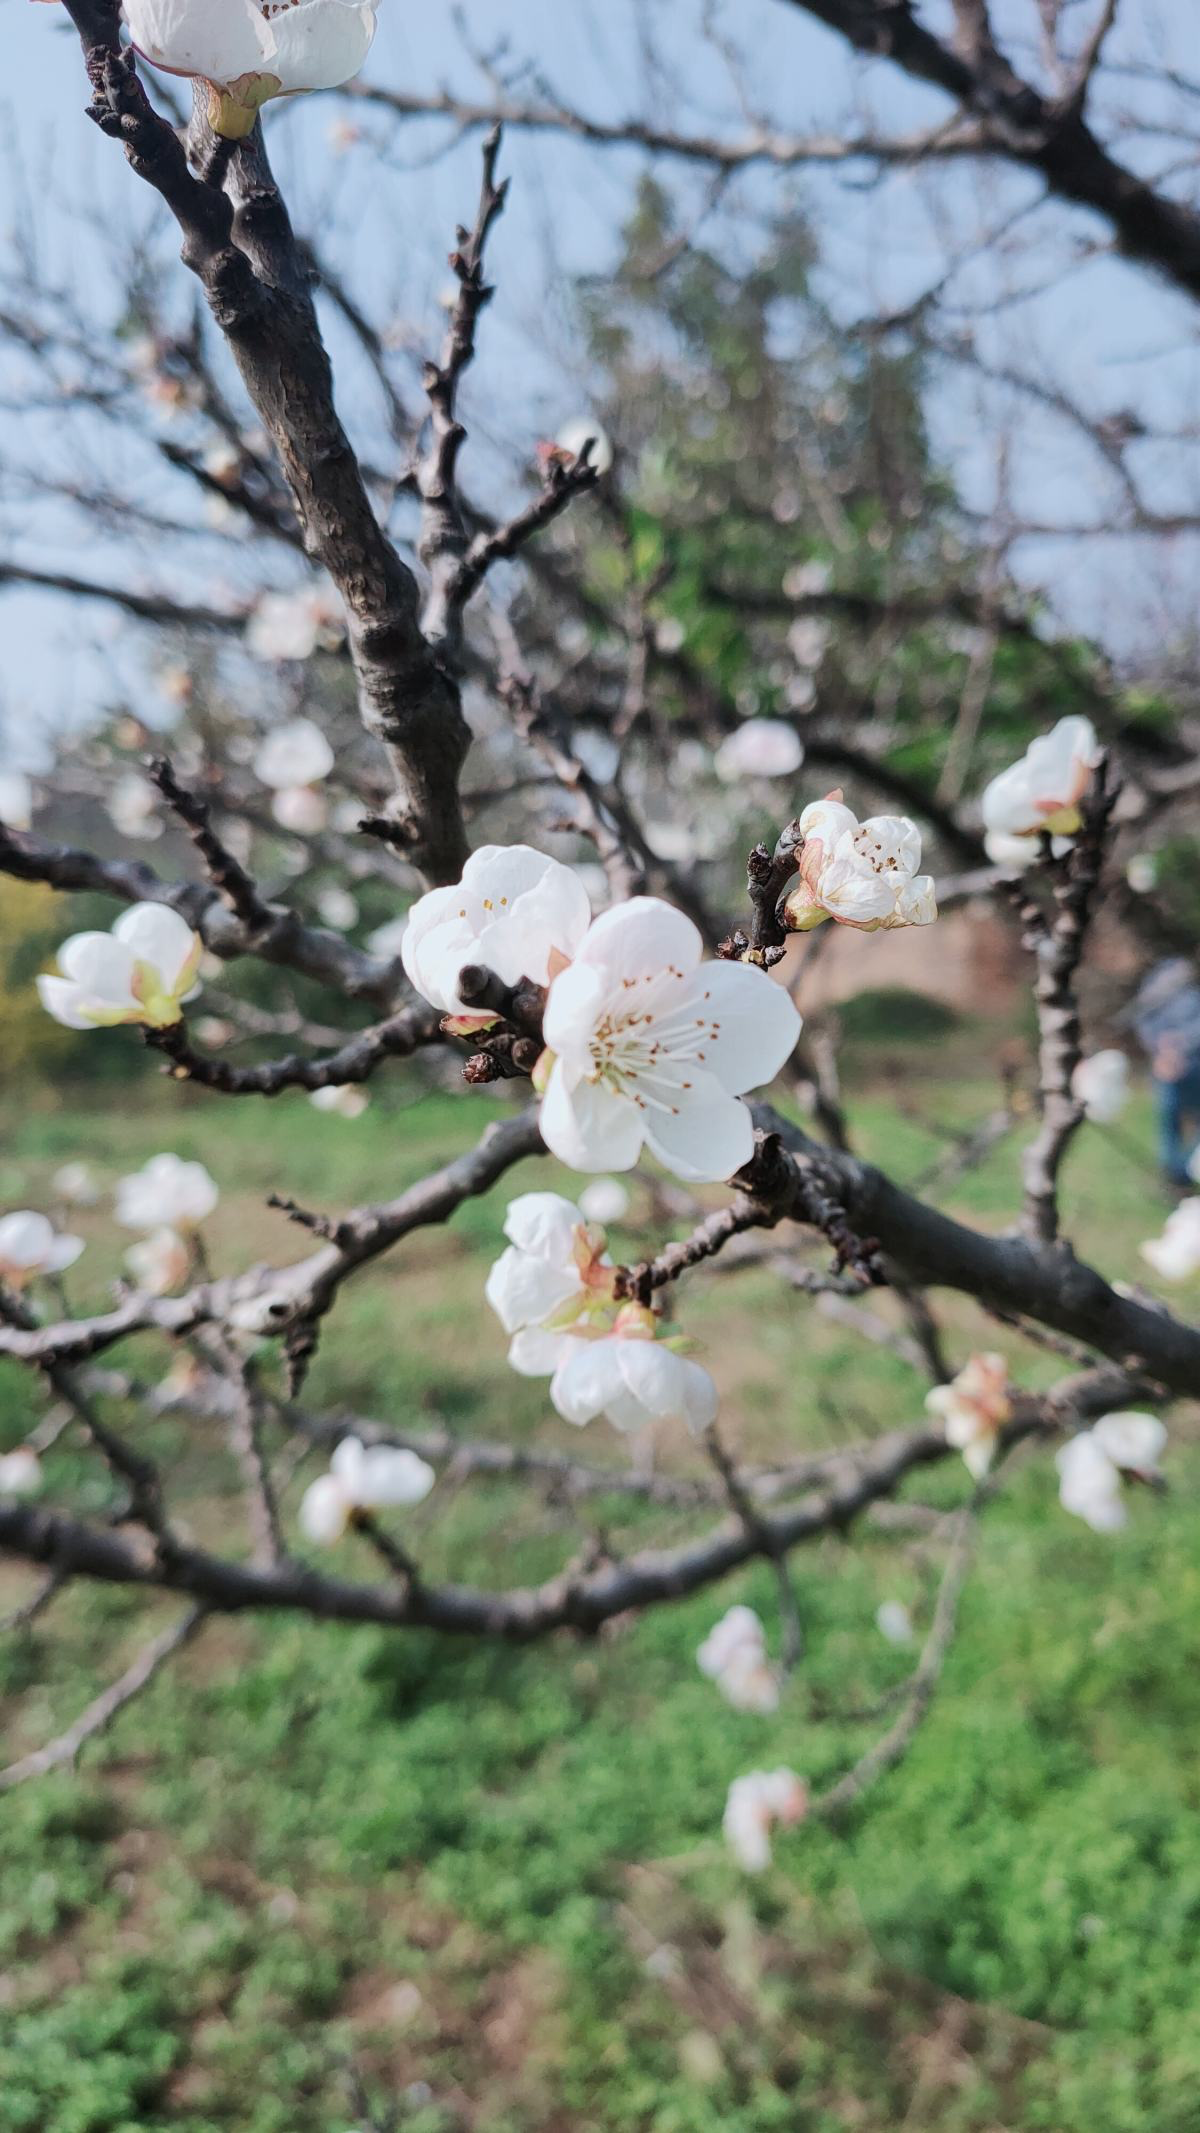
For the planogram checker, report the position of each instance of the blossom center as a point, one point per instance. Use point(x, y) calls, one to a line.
point(641, 1045)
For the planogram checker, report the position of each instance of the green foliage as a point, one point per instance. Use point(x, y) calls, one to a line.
point(490, 1879)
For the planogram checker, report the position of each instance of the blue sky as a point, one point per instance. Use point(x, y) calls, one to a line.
point(1110, 333)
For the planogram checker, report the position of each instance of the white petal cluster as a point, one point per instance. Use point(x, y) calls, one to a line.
point(159, 1263)
point(16, 799)
point(653, 1048)
point(293, 760)
point(555, 1275)
point(31, 1246)
point(252, 50)
point(734, 1655)
point(133, 807)
point(761, 748)
point(756, 1804)
point(20, 1472)
point(76, 1184)
point(1091, 1466)
point(1101, 1084)
point(574, 435)
point(515, 911)
point(893, 1621)
point(374, 1477)
point(974, 1406)
point(142, 971)
point(631, 1378)
point(345, 1099)
point(167, 1193)
point(863, 874)
point(1043, 791)
point(1176, 1254)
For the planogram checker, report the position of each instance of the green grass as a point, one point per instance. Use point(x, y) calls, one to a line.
point(487, 1884)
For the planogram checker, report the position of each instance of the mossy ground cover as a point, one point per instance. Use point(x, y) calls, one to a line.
point(317, 1878)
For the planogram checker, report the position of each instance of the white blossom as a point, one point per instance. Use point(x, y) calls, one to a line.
point(761, 748)
point(1101, 1084)
point(1141, 872)
point(301, 809)
point(755, 1805)
point(604, 1200)
point(30, 1246)
point(1091, 1466)
point(631, 1378)
point(374, 1477)
point(515, 911)
point(159, 1262)
point(649, 1046)
point(337, 908)
point(734, 1655)
point(863, 874)
point(574, 435)
point(554, 1274)
point(1176, 1254)
point(1015, 854)
point(893, 1621)
point(251, 50)
point(1043, 790)
point(133, 807)
point(167, 1193)
point(142, 971)
point(16, 799)
point(295, 754)
point(344, 1098)
point(76, 1184)
point(974, 1406)
point(20, 1472)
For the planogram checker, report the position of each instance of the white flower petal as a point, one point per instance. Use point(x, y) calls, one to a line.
point(157, 935)
point(523, 1289)
point(588, 1126)
point(641, 939)
point(707, 1135)
point(758, 1024)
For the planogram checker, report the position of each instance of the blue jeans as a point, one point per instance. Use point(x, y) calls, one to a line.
point(1179, 1123)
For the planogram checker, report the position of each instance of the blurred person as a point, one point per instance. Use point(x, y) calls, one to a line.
point(1166, 1017)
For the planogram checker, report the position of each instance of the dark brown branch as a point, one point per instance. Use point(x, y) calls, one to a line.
point(226, 873)
point(356, 1060)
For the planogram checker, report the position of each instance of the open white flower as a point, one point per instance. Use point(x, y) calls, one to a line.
point(166, 1193)
point(555, 1276)
point(574, 435)
point(755, 1805)
point(893, 1621)
point(374, 1477)
point(652, 1047)
point(159, 1262)
point(1176, 1254)
point(344, 1097)
point(20, 1472)
point(761, 748)
point(133, 807)
point(631, 1378)
point(863, 874)
point(1044, 789)
point(974, 1406)
point(76, 1184)
point(16, 799)
point(1101, 1084)
point(251, 50)
point(515, 911)
point(734, 1655)
point(1092, 1464)
point(140, 972)
point(30, 1246)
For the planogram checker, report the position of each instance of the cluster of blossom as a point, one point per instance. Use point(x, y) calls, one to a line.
point(976, 1404)
point(248, 51)
point(1042, 794)
point(361, 1479)
point(1176, 1254)
point(734, 1655)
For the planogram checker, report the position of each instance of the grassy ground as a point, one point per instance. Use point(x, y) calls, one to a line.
point(485, 1884)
